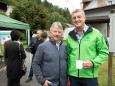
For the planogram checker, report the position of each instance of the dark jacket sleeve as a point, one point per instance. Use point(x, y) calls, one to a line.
point(23, 54)
point(36, 64)
point(32, 45)
point(33, 42)
point(5, 57)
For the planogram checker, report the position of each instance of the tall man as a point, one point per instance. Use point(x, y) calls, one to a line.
point(49, 65)
point(87, 50)
point(35, 41)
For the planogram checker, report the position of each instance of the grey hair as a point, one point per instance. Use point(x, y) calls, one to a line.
point(56, 24)
point(78, 10)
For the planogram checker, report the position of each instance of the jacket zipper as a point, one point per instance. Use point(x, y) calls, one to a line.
point(59, 61)
point(79, 55)
point(79, 59)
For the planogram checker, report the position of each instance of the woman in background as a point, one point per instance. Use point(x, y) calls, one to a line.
point(14, 59)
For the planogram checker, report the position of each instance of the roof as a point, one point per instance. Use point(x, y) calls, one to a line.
point(93, 5)
point(98, 14)
point(98, 19)
point(99, 7)
point(8, 22)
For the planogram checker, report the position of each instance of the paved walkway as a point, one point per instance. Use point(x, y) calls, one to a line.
point(3, 78)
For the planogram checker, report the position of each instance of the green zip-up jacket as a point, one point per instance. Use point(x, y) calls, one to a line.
point(91, 47)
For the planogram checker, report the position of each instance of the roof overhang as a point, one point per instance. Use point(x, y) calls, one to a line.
point(103, 7)
point(97, 19)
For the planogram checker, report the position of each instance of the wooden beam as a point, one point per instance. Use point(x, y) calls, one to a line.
point(110, 63)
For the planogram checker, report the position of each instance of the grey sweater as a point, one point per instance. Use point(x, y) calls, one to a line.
point(51, 64)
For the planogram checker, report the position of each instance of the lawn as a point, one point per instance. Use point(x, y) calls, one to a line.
point(103, 74)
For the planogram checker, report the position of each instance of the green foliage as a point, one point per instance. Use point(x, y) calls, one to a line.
point(30, 12)
point(38, 1)
point(40, 15)
point(2, 12)
point(10, 2)
point(57, 14)
point(5, 1)
point(23, 35)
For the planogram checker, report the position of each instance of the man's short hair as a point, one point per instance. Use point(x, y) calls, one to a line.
point(15, 35)
point(78, 10)
point(56, 24)
point(44, 34)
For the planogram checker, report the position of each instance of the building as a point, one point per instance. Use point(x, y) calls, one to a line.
point(97, 14)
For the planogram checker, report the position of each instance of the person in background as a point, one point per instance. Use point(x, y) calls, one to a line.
point(49, 65)
point(14, 61)
point(87, 50)
point(5, 44)
point(34, 34)
point(44, 36)
point(31, 33)
point(35, 41)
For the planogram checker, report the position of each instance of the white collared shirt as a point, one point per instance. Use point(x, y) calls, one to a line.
point(58, 44)
point(79, 36)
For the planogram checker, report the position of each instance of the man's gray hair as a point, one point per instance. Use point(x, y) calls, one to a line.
point(56, 24)
point(78, 10)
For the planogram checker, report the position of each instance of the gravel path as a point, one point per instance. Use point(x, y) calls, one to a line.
point(3, 78)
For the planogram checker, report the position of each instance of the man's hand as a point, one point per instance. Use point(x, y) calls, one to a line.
point(47, 83)
point(87, 64)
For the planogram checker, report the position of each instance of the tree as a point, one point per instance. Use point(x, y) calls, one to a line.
point(62, 14)
point(55, 16)
point(29, 11)
point(39, 1)
point(10, 2)
point(2, 12)
point(39, 14)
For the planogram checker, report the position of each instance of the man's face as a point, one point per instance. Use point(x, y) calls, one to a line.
point(38, 33)
point(78, 19)
point(56, 33)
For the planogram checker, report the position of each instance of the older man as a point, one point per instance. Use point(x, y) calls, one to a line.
point(49, 64)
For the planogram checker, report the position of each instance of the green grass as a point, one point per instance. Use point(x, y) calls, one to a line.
point(103, 74)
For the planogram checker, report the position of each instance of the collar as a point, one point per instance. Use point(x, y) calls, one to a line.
point(59, 43)
point(18, 42)
point(53, 42)
point(84, 29)
point(73, 34)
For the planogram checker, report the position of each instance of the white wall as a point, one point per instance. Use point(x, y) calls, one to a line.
point(102, 27)
point(66, 31)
